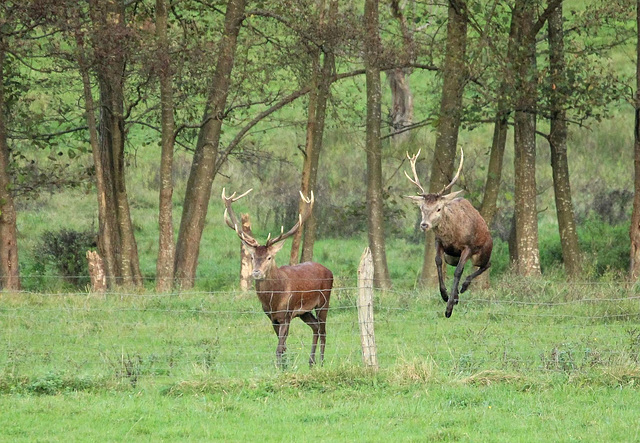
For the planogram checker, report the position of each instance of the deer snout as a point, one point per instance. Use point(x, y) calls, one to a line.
point(425, 226)
point(257, 274)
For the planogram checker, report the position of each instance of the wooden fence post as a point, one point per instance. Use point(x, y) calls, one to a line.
point(245, 256)
point(96, 272)
point(365, 310)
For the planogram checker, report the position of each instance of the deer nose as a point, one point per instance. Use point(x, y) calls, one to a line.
point(424, 226)
point(257, 274)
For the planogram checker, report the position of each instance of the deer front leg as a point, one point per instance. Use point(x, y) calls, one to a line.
point(453, 300)
point(283, 333)
point(439, 264)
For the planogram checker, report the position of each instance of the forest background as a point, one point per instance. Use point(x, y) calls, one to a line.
point(117, 99)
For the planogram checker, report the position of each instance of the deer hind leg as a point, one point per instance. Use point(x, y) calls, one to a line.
point(470, 277)
point(283, 333)
point(322, 329)
point(313, 323)
point(443, 288)
point(453, 300)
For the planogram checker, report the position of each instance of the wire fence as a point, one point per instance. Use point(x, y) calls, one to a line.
point(134, 336)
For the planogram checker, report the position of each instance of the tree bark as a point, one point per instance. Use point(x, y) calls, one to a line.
point(245, 256)
point(322, 70)
point(401, 104)
point(110, 37)
point(166, 249)
point(454, 79)
point(526, 215)
point(198, 190)
point(634, 230)
point(375, 207)
point(571, 254)
point(105, 220)
point(9, 271)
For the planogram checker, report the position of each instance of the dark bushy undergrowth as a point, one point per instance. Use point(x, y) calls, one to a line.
point(63, 253)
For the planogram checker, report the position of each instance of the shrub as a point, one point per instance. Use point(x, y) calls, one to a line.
point(64, 253)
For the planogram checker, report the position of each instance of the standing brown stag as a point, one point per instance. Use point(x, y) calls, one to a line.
point(287, 292)
point(461, 232)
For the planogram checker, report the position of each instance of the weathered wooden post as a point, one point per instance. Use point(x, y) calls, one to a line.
point(245, 256)
point(365, 310)
point(96, 272)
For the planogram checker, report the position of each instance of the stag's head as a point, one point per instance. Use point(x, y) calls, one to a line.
point(263, 256)
point(432, 205)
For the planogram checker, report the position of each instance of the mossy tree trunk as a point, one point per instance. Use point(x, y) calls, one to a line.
point(571, 255)
point(634, 230)
point(166, 247)
point(9, 271)
point(454, 79)
point(375, 206)
point(203, 167)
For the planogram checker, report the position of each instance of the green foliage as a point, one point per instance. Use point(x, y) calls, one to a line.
point(63, 252)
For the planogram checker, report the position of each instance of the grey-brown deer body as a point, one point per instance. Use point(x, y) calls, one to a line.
point(287, 292)
point(461, 233)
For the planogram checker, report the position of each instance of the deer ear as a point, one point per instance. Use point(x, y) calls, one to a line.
point(274, 248)
point(449, 197)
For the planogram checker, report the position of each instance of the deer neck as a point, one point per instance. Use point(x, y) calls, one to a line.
point(272, 280)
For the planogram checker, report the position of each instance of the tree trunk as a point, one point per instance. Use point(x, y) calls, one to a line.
point(245, 256)
point(401, 97)
point(375, 207)
point(166, 249)
point(558, 143)
point(634, 230)
point(9, 271)
point(401, 104)
point(318, 98)
point(198, 190)
point(525, 142)
point(454, 79)
point(105, 220)
point(110, 39)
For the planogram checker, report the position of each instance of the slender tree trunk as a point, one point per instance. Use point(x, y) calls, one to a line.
point(9, 271)
point(401, 103)
point(323, 68)
point(375, 207)
point(198, 191)
point(106, 221)
point(245, 256)
point(558, 142)
point(634, 231)
point(110, 40)
point(401, 97)
point(166, 249)
point(525, 142)
point(454, 79)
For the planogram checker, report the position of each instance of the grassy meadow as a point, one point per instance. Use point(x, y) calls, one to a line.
point(525, 361)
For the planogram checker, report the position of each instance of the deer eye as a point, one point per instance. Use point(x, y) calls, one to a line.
point(439, 209)
point(269, 258)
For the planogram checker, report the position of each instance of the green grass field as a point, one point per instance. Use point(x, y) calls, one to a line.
point(527, 361)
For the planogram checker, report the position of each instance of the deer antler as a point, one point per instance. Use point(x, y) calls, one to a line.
point(301, 219)
point(231, 219)
point(446, 188)
point(415, 180)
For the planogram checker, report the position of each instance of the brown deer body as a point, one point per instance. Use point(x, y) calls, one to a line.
point(287, 292)
point(461, 233)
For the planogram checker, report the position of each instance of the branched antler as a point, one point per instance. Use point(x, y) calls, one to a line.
point(446, 188)
point(415, 180)
point(301, 219)
point(231, 219)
